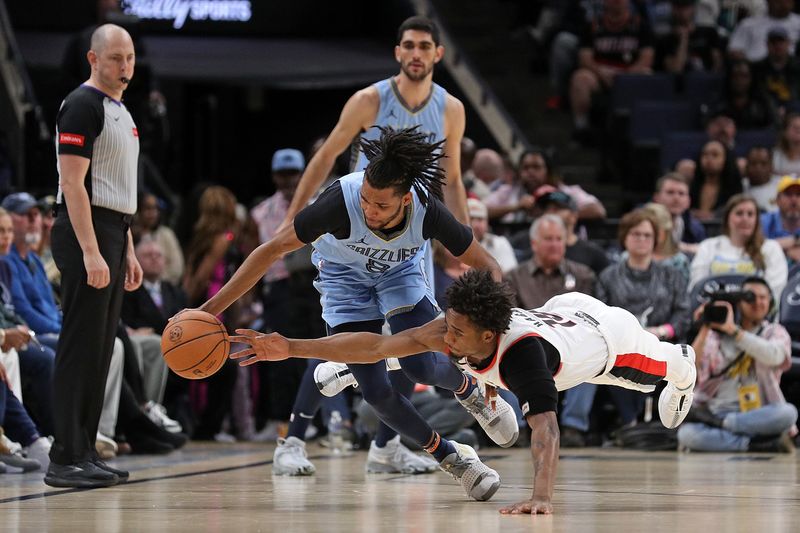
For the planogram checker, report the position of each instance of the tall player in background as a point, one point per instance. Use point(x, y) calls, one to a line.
point(410, 98)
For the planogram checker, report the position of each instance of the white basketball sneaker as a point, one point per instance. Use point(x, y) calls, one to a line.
point(674, 403)
point(333, 378)
point(479, 481)
point(290, 458)
point(499, 423)
point(394, 458)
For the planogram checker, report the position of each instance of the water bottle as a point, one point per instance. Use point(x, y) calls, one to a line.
point(336, 433)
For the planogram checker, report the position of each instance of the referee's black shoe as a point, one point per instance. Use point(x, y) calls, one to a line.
point(121, 474)
point(85, 475)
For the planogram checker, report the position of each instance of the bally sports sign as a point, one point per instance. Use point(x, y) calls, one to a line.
point(179, 11)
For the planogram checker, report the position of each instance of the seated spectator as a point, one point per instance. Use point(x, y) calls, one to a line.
point(778, 74)
point(46, 205)
point(743, 99)
point(688, 47)
point(30, 289)
point(574, 15)
point(36, 360)
point(783, 225)
point(579, 250)
point(759, 181)
point(472, 184)
point(655, 293)
point(517, 202)
point(618, 40)
point(672, 191)
point(667, 251)
point(488, 168)
point(749, 38)
point(716, 179)
point(786, 155)
point(21, 445)
point(738, 403)
point(726, 15)
point(149, 222)
point(549, 272)
point(497, 246)
point(147, 308)
point(741, 249)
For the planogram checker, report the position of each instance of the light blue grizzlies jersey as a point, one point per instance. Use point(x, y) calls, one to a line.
point(365, 276)
point(393, 112)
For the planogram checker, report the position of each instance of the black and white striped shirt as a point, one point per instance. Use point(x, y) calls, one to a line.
point(93, 125)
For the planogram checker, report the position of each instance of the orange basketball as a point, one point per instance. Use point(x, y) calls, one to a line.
point(195, 344)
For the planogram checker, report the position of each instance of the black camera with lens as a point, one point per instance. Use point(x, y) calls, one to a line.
point(716, 313)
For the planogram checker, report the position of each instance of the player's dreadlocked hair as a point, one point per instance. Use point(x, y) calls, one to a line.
point(484, 301)
point(403, 159)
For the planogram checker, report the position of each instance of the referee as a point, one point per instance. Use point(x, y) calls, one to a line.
point(98, 148)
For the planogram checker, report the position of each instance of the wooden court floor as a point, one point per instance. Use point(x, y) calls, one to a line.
point(229, 487)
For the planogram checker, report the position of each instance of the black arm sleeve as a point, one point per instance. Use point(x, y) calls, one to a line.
point(526, 369)
point(440, 224)
point(328, 214)
point(80, 121)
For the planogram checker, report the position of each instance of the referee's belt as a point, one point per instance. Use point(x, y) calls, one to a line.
point(100, 213)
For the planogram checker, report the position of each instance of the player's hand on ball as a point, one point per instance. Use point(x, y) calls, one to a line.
point(532, 506)
point(263, 347)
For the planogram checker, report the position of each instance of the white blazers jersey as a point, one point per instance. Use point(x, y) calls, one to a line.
point(597, 343)
point(583, 349)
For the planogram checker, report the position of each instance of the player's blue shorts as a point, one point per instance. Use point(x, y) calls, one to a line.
point(350, 296)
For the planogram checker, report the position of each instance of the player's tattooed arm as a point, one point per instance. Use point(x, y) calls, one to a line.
point(342, 347)
point(544, 449)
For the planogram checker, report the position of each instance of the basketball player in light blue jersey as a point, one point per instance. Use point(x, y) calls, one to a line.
point(408, 99)
point(370, 231)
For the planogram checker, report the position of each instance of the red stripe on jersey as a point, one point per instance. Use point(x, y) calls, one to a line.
point(642, 363)
point(135, 132)
point(71, 138)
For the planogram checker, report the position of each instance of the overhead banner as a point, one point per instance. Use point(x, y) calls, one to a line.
point(178, 12)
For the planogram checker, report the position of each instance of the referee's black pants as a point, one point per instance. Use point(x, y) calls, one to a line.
point(87, 332)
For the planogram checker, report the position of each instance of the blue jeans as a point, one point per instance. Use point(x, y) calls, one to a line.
point(578, 405)
point(14, 419)
point(738, 428)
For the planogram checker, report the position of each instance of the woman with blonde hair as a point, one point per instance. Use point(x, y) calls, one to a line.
point(741, 249)
point(212, 237)
point(667, 251)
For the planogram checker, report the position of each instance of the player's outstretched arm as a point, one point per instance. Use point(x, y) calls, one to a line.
point(544, 448)
point(342, 347)
point(252, 269)
point(358, 113)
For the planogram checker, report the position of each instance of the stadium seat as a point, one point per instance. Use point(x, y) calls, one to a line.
point(746, 139)
point(652, 119)
point(678, 145)
point(630, 88)
point(702, 88)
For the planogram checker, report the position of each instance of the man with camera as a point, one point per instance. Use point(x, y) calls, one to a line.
point(740, 358)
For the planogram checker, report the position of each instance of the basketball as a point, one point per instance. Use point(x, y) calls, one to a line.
point(195, 344)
